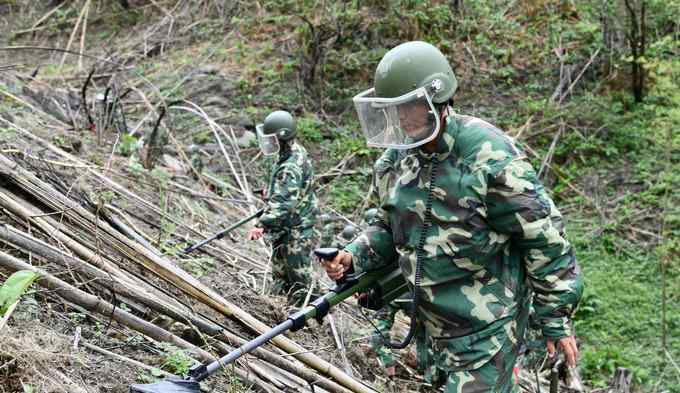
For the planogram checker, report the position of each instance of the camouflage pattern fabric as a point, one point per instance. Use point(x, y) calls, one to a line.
point(289, 219)
point(383, 321)
point(291, 268)
point(384, 178)
point(495, 244)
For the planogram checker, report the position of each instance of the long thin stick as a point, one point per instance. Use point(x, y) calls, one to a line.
point(73, 35)
point(168, 270)
point(579, 75)
point(216, 132)
point(47, 15)
point(125, 359)
point(95, 304)
point(82, 35)
point(156, 301)
point(339, 345)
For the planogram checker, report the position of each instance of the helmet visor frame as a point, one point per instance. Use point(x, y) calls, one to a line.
point(269, 143)
point(402, 122)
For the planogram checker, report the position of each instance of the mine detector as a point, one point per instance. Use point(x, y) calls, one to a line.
point(378, 288)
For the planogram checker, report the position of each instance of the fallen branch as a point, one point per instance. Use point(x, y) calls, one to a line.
point(159, 266)
point(125, 359)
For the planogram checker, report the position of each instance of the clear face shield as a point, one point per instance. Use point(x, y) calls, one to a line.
point(402, 123)
point(269, 144)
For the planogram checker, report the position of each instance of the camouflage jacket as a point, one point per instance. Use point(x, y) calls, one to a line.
point(495, 240)
point(290, 195)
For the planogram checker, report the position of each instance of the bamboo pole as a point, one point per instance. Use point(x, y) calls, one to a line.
point(118, 188)
point(41, 222)
point(28, 212)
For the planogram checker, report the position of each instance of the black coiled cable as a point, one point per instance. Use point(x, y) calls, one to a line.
point(420, 251)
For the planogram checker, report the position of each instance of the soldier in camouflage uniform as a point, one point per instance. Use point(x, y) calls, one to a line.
point(473, 230)
point(290, 215)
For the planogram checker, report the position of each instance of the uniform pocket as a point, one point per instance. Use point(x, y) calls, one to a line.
point(472, 351)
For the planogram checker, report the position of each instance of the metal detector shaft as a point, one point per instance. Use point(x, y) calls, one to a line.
point(203, 372)
point(386, 282)
point(223, 232)
point(318, 309)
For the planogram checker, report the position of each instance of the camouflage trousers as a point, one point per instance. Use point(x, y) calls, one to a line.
point(494, 376)
point(291, 266)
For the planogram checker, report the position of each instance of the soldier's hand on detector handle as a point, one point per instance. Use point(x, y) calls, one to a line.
point(339, 265)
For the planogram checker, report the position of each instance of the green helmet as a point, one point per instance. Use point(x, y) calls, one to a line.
point(349, 232)
point(370, 214)
point(281, 124)
point(412, 65)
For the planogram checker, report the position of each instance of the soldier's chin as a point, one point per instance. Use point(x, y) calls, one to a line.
point(417, 134)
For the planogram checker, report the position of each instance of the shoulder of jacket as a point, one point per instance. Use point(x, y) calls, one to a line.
point(483, 145)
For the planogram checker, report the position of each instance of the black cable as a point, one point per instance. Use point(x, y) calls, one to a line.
point(420, 250)
point(83, 94)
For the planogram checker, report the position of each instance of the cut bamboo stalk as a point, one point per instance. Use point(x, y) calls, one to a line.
point(41, 222)
point(115, 186)
point(95, 304)
point(29, 244)
point(31, 212)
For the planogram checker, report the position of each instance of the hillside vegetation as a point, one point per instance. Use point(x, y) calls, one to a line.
point(590, 88)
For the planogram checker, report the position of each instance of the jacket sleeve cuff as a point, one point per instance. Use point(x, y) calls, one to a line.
point(556, 328)
point(355, 249)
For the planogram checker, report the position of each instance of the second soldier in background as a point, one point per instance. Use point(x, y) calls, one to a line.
point(291, 211)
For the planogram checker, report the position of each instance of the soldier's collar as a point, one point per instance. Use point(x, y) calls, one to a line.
point(286, 148)
point(445, 141)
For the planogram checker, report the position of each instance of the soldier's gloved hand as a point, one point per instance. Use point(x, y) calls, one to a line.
point(255, 233)
point(339, 265)
point(568, 346)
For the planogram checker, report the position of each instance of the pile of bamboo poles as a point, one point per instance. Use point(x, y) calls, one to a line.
point(95, 245)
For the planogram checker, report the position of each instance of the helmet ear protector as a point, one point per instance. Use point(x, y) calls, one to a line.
point(283, 133)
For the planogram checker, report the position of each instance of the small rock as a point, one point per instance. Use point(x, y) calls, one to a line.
point(216, 101)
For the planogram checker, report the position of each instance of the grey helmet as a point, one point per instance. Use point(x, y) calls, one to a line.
point(349, 232)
